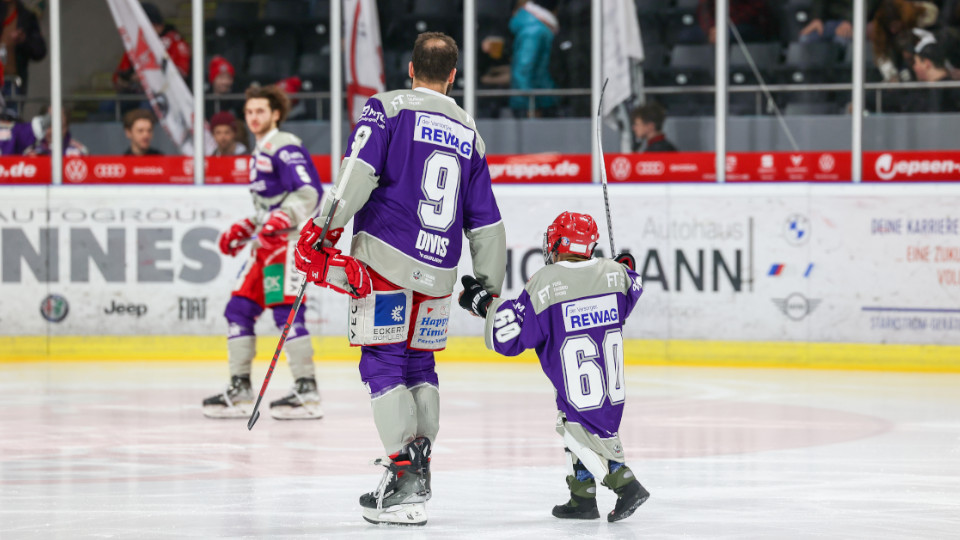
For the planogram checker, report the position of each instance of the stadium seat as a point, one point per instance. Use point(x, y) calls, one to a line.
point(275, 41)
point(313, 37)
point(434, 16)
point(794, 16)
point(680, 18)
point(315, 69)
point(285, 11)
point(267, 69)
point(235, 13)
point(766, 57)
point(809, 63)
point(691, 65)
point(795, 109)
point(230, 43)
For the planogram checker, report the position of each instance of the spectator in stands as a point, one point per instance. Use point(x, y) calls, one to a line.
point(929, 66)
point(830, 21)
point(125, 78)
point(751, 17)
point(647, 121)
point(533, 25)
point(292, 86)
point(224, 128)
point(20, 43)
point(138, 127)
point(891, 31)
point(34, 138)
point(221, 74)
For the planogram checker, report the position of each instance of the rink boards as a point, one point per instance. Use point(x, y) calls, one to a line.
point(779, 274)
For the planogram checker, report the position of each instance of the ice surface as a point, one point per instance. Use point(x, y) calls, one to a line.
point(122, 451)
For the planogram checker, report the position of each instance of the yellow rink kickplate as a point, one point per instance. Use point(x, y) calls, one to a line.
point(930, 358)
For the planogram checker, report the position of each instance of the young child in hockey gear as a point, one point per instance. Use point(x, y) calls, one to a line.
point(572, 312)
point(419, 178)
point(286, 192)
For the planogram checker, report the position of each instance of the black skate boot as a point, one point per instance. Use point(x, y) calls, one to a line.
point(583, 500)
point(404, 490)
point(630, 494)
point(235, 402)
point(303, 403)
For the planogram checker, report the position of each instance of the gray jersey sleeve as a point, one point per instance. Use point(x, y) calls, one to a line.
point(488, 248)
point(301, 204)
point(355, 194)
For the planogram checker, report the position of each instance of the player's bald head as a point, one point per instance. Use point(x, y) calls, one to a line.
point(434, 57)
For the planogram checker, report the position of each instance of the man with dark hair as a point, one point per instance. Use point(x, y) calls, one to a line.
point(286, 192)
point(647, 122)
point(138, 127)
point(419, 177)
point(929, 65)
point(223, 126)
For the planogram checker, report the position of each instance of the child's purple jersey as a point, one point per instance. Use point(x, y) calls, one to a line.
point(572, 313)
point(419, 183)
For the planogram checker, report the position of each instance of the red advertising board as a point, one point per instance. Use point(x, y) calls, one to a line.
point(551, 168)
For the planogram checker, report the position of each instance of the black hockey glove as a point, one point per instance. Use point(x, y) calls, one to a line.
point(627, 260)
point(474, 298)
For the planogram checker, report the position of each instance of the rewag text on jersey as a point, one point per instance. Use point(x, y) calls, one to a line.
point(439, 130)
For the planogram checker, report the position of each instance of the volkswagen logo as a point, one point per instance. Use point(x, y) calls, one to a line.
point(620, 168)
point(110, 170)
point(75, 170)
point(826, 162)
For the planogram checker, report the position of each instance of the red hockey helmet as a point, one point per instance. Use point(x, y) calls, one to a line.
point(570, 233)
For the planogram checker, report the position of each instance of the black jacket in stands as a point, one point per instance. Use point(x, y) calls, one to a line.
point(34, 47)
point(660, 144)
point(150, 152)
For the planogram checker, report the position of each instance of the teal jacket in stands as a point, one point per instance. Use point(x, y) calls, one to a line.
point(530, 65)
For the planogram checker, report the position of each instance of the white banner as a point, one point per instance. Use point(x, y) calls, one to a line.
point(867, 264)
point(621, 47)
point(169, 96)
point(362, 54)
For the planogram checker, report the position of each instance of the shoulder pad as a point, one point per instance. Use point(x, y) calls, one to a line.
point(280, 140)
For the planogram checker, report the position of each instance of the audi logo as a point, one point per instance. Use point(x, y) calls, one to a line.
point(650, 168)
point(110, 170)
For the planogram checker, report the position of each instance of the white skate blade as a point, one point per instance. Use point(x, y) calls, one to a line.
point(398, 514)
point(305, 412)
point(239, 410)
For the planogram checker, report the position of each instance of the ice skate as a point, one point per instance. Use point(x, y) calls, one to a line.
point(401, 497)
point(303, 403)
point(583, 500)
point(235, 402)
point(630, 494)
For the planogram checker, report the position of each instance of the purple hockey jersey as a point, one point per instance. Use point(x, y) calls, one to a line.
point(283, 176)
point(572, 314)
point(419, 184)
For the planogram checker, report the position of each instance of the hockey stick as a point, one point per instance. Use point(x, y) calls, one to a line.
point(358, 141)
point(246, 241)
point(603, 168)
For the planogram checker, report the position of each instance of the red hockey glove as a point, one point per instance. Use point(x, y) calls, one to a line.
point(273, 234)
point(310, 233)
point(328, 268)
point(627, 260)
point(231, 240)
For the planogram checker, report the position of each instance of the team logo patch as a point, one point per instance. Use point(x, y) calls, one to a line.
point(590, 313)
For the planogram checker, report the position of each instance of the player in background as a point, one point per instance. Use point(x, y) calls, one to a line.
point(572, 312)
point(286, 192)
point(419, 179)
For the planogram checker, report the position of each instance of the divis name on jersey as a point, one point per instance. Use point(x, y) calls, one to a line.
point(432, 243)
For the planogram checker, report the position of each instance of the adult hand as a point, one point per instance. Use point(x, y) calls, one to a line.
point(845, 30)
point(815, 25)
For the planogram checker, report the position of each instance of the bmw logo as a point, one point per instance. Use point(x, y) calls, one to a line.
point(796, 229)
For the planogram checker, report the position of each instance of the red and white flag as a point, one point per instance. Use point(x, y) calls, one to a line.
point(170, 98)
point(363, 54)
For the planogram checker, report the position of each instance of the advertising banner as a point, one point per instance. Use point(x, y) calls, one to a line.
point(832, 263)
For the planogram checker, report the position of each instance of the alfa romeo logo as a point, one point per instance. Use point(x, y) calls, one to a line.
point(54, 308)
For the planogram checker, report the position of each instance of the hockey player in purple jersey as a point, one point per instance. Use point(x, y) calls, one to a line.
point(572, 312)
point(286, 192)
point(420, 177)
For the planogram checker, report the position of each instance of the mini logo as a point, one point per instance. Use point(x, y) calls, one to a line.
point(75, 170)
point(620, 168)
point(109, 170)
point(650, 168)
point(796, 229)
point(826, 162)
point(796, 306)
point(192, 308)
point(54, 308)
point(796, 160)
point(766, 161)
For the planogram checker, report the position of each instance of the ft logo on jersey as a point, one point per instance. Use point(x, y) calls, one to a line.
point(432, 243)
point(439, 130)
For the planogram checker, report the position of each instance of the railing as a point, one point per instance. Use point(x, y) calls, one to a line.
point(319, 98)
